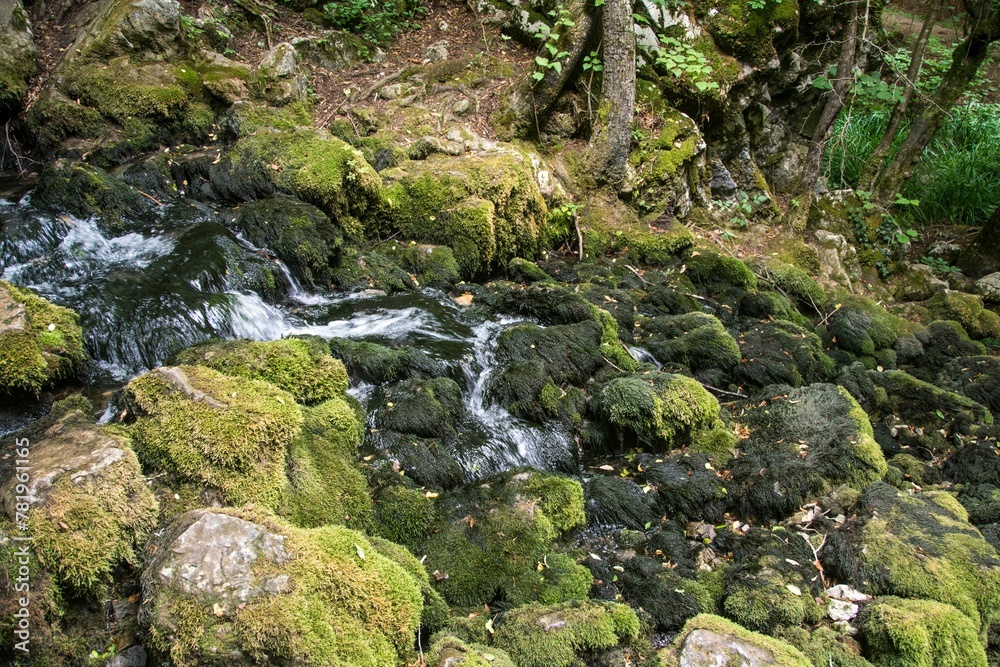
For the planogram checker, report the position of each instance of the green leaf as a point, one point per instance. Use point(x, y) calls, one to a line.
point(537, 76)
point(701, 85)
point(557, 66)
point(361, 552)
point(542, 62)
point(902, 238)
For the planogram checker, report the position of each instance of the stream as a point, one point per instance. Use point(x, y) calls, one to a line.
point(183, 277)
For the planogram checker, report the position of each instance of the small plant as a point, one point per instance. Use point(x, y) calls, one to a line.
point(375, 21)
point(550, 37)
point(684, 61)
point(939, 266)
point(592, 63)
point(189, 27)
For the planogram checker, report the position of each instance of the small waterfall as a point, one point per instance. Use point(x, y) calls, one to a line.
point(642, 355)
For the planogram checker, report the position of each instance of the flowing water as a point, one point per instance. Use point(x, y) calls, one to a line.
point(183, 278)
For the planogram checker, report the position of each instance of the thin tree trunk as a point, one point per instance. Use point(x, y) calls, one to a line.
point(966, 59)
point(613, 134)
point(873, 166)
point(835, 102)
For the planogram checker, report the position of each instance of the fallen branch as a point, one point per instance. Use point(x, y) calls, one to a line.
point(644, 281)
point(378, 85)
point(579, 235)
point(735, 394)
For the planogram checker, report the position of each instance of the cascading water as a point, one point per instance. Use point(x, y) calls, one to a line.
point(185, 277)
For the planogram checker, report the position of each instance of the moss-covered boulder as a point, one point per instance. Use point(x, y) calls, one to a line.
point(325, 485)
point(975, 377)
point(967, 310)
point(86, 502)
point(86, 191)
point(300, 235)
point(492, 540)
point(446, 650)
point(791, 280)
point(773, 582)
point(312, 165)
point(428, 408)
point(40, 342)
point(653, 410)
point(378, 364)
point(427, 461)
point(431, 265)
point(781, 352)
point(707, 641)
point(245, 588)
point(565, 634)
point(920, 633)
point(861, 326)
point(695, 340)
point(225, 433)
point(718, 272)
point(302, 368)
point(802, 442)
point(919, 546)
point(488, 210)
point(18, 58)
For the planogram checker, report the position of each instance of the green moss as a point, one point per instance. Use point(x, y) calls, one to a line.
point(44, 345)
point(655, 409)
point(245, 118)
point(434, 266)
point(371, 362)
point(791, 280)
point(696, 340)
point(611, 346)
point(488, 210)
point(325, 485)
point(346, 604)
point(556, 635)
point(428, 408)
point(403, 515)
point(968, 310)
point(85, 191)
point(371, 270)
point(97, 511)
point(561, 500)
point(922, 546)
point(303, 369)
point(750, 33)
point(709, 268)
point(317, 168)
point(781, 352)
point(447, 650)
point(228, 433)
point(920, 633)
point(825, 647)
point(523, 271)
point(54, 117)
point(781, 653)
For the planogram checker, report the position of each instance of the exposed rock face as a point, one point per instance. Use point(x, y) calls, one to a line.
point(711, 641)
point(279, 77)
point(17, 56)
point(704, 648)
point(144, 27)
point(989, 287)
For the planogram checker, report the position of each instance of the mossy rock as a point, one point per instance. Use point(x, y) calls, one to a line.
point(229, 434)
point(753, 34)
point(791, 280)
point(772, 583)
point(967, 310)
point(488, 210)
point(654, 410)
point(570, 354)
point(242, 119)
point(86, 191)
point(707, 639)
point(428, 408)
point(975, 377)
point(302, 368)
point(371, 362)
point(781, 352)
point(548, 304)
point(403, 515)
point(698, 341)
point(427, 461)
point(525, 271)
point(618, 502)
point(824, 439)
point(446, 650)
point(90, 508)
point(317, 168)
point(920, 633)
point(717, 271)
point(492, 539)
point(325, 485)
point(919, 546)
point(300, 235)
point(687, 486)
point(769, 305)
point(825, 646)
point(433, 266)
point(19, 59)
point(322, 596)
point(924, 352)
point(40, 342)
point(562, 635)
point(923, 404)
point(370, 270)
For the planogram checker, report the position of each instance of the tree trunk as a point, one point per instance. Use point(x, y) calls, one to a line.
point(834, 103)
point(873, 166)
point(613, 135)
point(966, 59)
point(982, 256)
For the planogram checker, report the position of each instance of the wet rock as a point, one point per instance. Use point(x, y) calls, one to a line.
point(133, 656)
point(709, 641)
point(18, 56)
point(371, 362)
point(89, 507)
point(428, 408)
point(237, 583)
point(40, 343)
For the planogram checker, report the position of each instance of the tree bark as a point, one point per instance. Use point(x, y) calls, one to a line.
point(873, 166)
point(613, 135)
point(966, 59)
point(835, 102)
